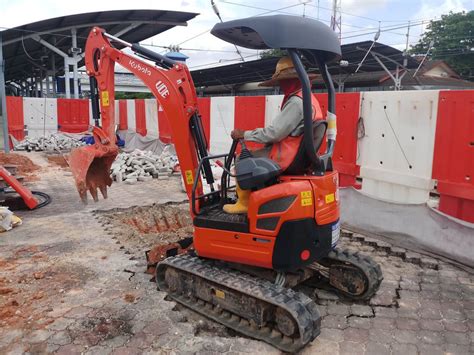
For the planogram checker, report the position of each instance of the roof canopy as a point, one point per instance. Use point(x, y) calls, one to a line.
point(23, 54)
point(281, 31)
point(262, 69)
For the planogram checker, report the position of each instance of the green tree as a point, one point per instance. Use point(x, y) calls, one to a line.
point(133, 95)
point(273, 53)
point(453, 41)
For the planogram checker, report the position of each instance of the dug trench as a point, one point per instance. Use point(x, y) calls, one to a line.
point(138, 229)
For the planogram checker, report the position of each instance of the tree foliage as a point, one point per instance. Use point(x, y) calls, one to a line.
point(273, 53)
point(120, 95)
point(453, 41)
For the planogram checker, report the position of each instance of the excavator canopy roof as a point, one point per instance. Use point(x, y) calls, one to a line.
point(281, 31)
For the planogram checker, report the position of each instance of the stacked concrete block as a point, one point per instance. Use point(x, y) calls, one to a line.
point(142, 165)
point(56, 142)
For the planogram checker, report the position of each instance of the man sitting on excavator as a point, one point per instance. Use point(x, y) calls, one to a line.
point(279, 136)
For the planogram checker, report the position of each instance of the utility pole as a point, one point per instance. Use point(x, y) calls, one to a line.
point(405, 59)
point(218, 14)
point(3, 102)
point(336, 17)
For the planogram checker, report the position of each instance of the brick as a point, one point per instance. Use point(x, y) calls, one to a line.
point(406, 336)
point(383, 323)
point(351, 348)
point(362, 311)
point(455, 325)
point(383, 336)
point(356, 335)
point(338, 322)
point(338, 309)
point(426, 349)
point(377, 349)
point(456, 338)
point(358, 322)
point(430, 337)
point(431, 324)
point(427, 313)
point(335, 335)
point(458, 349)
point(407, 324)
point(385, 312)
point(404, 349)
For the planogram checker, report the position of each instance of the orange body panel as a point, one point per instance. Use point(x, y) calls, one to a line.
point(249, 249)
point(295, 211)
point(315, 197)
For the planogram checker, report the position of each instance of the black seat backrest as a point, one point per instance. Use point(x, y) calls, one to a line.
point(301, 163)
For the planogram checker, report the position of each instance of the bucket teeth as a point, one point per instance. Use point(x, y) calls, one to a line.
point(93, 191)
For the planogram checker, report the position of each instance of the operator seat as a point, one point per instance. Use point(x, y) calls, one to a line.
point(256, 173)
point(301, 163)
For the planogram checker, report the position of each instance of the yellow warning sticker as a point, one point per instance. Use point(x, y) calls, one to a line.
point(220, 294)
point(105, 98)
point(189, 177)
point(306, 198)
point(329, 198)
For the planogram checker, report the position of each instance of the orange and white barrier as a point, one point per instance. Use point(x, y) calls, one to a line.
point(389, 139)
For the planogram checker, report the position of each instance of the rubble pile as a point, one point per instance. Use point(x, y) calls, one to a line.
point(56, 142)
point(140, 165)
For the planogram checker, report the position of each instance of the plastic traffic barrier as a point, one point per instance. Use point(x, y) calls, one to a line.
point(73, 115)
point(453, 163)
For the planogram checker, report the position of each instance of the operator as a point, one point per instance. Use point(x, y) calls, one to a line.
point(286, 125)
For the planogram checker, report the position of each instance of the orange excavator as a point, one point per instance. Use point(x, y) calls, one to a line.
point(242, 268)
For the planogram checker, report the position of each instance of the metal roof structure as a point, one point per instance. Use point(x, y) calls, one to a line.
point(32, 50)
point(38, 52)
point(262, 69)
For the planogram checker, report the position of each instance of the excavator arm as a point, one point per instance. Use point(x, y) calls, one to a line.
point(171, 84)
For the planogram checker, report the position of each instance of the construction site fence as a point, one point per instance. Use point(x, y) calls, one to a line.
point(395, 146)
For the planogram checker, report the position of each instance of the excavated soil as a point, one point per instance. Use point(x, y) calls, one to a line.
point(26, 167)
point(58, 160)
point(32, 288)
point(138, 229)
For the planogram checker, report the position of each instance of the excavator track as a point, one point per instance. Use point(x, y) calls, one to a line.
point(353, 274)
point(252, 306)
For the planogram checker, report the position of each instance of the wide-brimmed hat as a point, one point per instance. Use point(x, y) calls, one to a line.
point(284, 70)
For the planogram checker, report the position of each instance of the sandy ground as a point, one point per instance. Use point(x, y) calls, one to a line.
point(72, 281)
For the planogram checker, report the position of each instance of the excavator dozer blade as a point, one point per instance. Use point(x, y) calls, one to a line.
point(90, 168)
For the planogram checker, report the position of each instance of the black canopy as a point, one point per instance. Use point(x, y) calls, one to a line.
point(281, 31)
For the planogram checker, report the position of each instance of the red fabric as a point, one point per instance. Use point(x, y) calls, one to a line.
point(290, 87)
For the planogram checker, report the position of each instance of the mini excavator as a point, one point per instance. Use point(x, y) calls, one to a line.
point(242, 269)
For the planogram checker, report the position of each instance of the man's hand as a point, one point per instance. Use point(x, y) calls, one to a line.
point(237, 134)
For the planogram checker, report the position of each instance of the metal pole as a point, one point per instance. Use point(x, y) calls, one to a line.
point(405, 55)
point(4, 120)
point(74, 66)
point(67, 85)
point(53, 67)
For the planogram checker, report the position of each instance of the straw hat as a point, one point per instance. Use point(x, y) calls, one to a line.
point(284, 70)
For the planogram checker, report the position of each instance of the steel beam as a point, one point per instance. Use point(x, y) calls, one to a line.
point(3, 102)
point(74, 66)
point(92, 24)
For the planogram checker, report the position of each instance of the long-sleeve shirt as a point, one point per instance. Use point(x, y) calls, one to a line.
point(289, 122)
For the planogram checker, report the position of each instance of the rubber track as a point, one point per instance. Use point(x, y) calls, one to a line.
point(301, 307)
point(369, 267)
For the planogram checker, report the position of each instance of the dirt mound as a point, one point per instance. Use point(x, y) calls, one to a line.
point(58, 160)
point(26, 167)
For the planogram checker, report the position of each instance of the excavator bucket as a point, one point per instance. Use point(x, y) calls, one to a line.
point(90, 167)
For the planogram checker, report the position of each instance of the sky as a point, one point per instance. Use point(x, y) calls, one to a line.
point(360, 19)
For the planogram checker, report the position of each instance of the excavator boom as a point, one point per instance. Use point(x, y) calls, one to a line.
point(170, 82)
